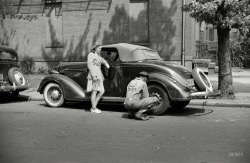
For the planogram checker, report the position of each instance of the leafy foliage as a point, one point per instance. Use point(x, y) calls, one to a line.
point(221, 13)
point(27, 64)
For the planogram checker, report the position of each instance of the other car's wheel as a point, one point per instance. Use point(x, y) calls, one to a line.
point(201, 80)
point(53, 95)
point(179, 104)
point(165, 104)
point(15, 75)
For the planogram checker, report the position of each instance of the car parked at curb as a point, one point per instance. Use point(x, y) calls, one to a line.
point(174, 83)
point(12, 79)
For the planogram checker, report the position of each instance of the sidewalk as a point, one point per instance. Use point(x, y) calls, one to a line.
point(241, 81)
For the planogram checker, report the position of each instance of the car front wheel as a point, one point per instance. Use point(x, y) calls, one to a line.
point(53, 95)
point(164, 105)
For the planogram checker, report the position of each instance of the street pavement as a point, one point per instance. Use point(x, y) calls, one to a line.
point(241, 82)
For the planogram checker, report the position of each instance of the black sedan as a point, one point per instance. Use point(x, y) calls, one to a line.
point(174, 83)
point(12, 80)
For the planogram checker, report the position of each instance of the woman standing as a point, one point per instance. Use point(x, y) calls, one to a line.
point(94, 63)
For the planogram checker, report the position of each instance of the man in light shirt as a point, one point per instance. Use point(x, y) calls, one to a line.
point(137, 99)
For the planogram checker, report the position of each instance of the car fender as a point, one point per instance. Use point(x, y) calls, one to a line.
point(72, 90)
point(175, 90)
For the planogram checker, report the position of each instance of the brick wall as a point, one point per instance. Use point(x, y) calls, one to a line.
point(81, 29)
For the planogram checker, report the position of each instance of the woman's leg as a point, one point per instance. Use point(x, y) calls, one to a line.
point(93, 99)
point(99, 96)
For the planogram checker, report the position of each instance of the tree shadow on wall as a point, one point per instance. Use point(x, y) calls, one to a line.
point(118, 27)
point(74, 53)
point(7, 36)
point(165, 28)
point(161, 27)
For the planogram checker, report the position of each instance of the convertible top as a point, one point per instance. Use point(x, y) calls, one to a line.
point(129, 52)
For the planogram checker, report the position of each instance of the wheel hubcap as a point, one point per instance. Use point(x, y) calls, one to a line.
point(19, 78)
point(55, 94)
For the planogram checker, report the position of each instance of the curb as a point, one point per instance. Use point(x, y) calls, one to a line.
point(226, 103)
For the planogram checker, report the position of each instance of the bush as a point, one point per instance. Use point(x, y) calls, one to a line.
point(27, 64)
point(240, 50)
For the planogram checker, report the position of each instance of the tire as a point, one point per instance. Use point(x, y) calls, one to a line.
point(53, 95)
point(16, 75)
point(165, 104)
point(201, 80)
point(179, 104)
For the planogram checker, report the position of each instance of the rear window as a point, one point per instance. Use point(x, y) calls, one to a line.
point(7, 56)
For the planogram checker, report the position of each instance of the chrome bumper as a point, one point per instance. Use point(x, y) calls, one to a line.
point(197, 94)
point(6, 88)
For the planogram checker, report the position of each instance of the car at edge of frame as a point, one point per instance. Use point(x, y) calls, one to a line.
point(12, 79)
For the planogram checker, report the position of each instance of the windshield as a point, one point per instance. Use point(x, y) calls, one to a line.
point(7, 56)
point(145, 54)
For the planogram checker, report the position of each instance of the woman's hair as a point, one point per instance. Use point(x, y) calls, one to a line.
point(96, 45)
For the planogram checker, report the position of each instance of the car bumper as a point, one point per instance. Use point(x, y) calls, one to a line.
point(9, 88)
point(201, 94)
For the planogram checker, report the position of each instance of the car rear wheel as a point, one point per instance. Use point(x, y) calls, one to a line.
point(53, 95)
point(15, 75)
point(164, 105)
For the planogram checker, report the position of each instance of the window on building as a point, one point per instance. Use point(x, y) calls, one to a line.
point(139, 22)
point(211, 34)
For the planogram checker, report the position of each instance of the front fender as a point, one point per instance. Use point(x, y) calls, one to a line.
point(72, 90)
point(175, 90)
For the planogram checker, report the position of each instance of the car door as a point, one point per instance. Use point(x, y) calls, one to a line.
point(113, 76)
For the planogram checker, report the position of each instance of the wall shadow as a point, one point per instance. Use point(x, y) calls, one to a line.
point(162, 29)
point(118, 27)
point(53, 56)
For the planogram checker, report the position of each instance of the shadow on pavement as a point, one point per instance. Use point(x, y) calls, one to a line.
point(7, 98)
point(189, 111)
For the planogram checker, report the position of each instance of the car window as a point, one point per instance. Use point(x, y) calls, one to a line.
point(7, 56)
point(110, 54)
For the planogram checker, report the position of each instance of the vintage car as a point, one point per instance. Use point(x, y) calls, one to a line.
point(174, 83)
point(12, 80)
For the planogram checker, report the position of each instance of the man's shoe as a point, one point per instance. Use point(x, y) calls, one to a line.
point(95, 110)
point(131, 114)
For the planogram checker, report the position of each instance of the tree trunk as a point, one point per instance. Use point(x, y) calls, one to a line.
point(225, 64)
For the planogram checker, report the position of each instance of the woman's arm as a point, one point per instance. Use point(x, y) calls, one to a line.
point(105, 63)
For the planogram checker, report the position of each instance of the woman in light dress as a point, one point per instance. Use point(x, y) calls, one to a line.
point(95, 76)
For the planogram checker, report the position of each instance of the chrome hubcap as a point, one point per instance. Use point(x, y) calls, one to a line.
point(19, 78)
point(55, 94)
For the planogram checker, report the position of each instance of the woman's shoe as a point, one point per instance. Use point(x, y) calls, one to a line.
point(95, 110)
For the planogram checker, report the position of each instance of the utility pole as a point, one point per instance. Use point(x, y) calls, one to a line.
point(183, 36)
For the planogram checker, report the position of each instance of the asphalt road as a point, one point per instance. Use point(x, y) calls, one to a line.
point(32, 132)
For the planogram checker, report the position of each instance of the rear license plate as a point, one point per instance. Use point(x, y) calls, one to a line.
point(190, 82)
point(1, 77)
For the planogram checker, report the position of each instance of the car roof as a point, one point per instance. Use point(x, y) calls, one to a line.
point(126, 50)
point(7, 49)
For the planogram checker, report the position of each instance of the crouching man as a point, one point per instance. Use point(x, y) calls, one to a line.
point(137, 101)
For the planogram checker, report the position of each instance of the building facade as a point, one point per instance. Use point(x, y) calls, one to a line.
point(65, 30)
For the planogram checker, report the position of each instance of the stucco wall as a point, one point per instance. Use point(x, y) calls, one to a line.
point(81, 29)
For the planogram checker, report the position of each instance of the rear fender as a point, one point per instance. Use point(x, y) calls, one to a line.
point(175, 90)
point(72, 90)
